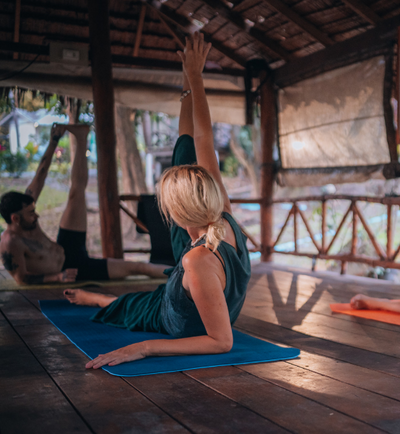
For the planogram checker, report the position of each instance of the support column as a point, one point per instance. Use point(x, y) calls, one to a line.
point(268, 137)
point(398, 88)
point(103, 99)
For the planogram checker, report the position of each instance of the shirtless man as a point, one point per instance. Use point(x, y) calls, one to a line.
point(26, 251)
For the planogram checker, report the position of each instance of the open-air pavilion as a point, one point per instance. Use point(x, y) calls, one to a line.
point(324, 75)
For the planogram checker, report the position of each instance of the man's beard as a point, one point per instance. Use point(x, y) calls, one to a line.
point(27, 226)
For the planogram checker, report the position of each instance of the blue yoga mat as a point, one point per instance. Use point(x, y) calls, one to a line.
point(96, 338)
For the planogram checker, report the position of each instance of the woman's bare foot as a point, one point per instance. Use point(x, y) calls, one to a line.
point(361, 301)
point(86, 298)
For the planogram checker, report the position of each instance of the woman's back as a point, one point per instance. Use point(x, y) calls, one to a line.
point(179, 314)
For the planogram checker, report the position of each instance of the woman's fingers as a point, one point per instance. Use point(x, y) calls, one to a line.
point(188, 44)
point(207, 49)
point(196, 41)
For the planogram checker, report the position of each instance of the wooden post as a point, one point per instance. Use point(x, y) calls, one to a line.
point(103, 98)
point(323, 226)
point(354, 234)
point(17, 22)
point(295, 226)
point(389, 233)
point(268, 137)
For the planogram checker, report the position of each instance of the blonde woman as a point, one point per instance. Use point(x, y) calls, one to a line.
point(206, 290)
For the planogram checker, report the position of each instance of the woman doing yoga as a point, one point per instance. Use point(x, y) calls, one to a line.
point(206, 290)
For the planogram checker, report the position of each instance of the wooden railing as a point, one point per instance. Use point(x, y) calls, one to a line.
point(386, 254)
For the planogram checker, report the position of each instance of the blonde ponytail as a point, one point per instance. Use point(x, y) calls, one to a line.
point(215, 234)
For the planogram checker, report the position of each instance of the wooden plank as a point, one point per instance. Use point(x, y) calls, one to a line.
point(376, 382)
point(30, 402)
point(371, 408)
point(199, 408)
point(369, 44)
point(301, 22)
point(323, 347)
point(18, 310)
point(287, 409)
point(330, 328)
point(364, 11)
point(103, 99)
point(108, 404)
point(235, 18)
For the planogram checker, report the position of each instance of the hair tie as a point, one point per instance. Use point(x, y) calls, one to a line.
point(211, 223)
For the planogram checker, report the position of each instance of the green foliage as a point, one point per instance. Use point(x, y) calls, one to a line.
point(31, 151)
point(1, 229)
point(231, 166)
point(13, 164)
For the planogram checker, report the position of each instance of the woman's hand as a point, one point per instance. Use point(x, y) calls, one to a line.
point(122, 355)
point(194, 56)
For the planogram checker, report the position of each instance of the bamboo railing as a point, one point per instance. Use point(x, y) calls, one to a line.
point(386, 256)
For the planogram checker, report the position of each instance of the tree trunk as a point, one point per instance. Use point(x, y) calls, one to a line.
point(73, 108)
point(147, 129)
point(249, 164)
point(133, 181)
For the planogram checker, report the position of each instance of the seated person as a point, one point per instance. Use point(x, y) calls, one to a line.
point(206, 290)
point(26, 251)
point(361, 301)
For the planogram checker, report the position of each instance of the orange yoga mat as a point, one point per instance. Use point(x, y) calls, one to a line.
point(376, 315)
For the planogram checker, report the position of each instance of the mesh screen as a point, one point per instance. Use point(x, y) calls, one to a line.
point(335, 119)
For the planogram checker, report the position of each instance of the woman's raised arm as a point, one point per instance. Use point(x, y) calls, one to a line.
point(193, 60)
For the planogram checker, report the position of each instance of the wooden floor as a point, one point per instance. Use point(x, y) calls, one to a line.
point(347, 379)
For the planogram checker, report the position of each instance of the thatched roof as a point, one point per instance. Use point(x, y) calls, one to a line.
point(295, 37)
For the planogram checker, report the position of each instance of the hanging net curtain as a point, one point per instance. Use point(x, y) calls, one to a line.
point(334, 122)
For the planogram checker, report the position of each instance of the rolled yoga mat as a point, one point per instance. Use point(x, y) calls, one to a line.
point(376, 315)
point(96, 338)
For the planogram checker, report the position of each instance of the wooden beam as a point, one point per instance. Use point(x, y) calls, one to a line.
point(17, 22)
point(369, 44)
point(103, 98)
point(139, 30)
point(117, 59)
point(171, 31)
point(305, 25)
point(236, 19)
point(187, 26)
point(364, 11)
point(268, 137)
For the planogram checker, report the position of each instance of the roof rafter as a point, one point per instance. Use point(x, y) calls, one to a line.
point(145, 62)
point(293, 16)
point(139, 31)
point(374, 42)
point(237, 19)
point(186, 25)
point(364, 11)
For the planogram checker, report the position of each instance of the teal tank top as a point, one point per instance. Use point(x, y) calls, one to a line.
point(179, 315)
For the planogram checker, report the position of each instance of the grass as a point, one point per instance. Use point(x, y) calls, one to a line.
point(49, 198)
